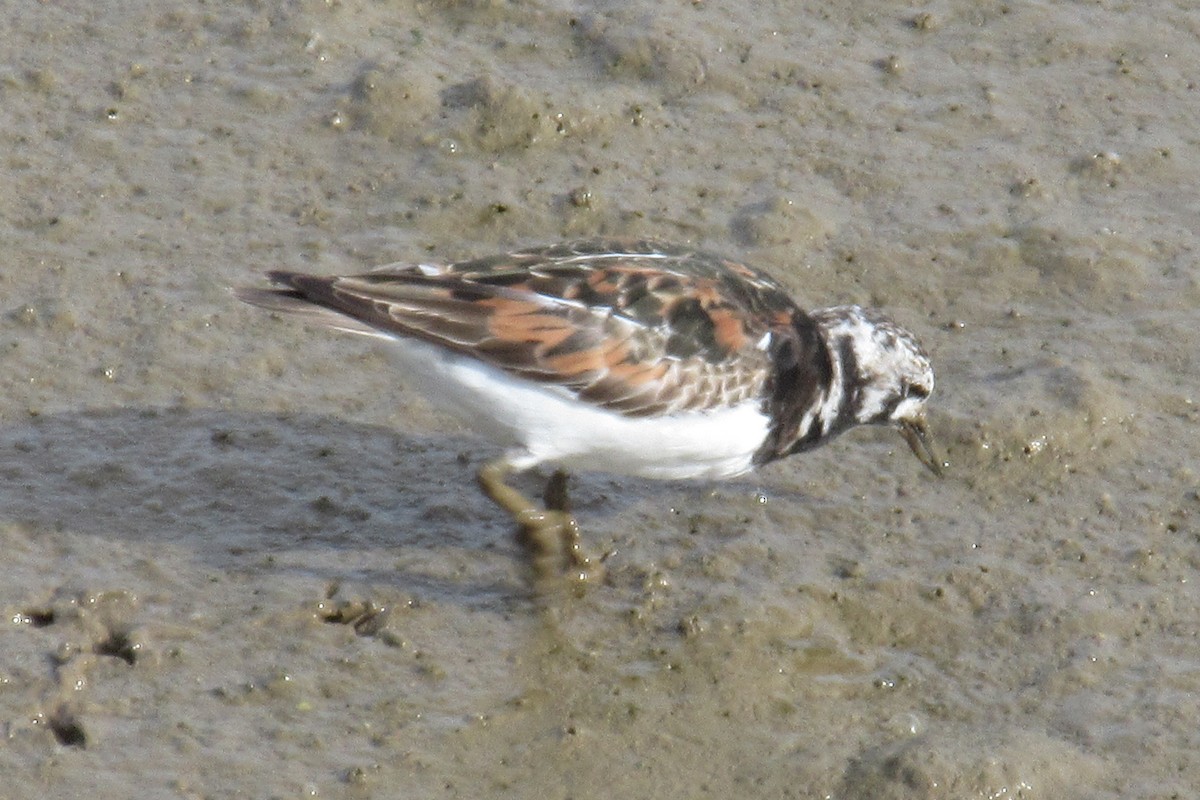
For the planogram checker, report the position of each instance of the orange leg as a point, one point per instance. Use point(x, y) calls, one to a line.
point(550, 534)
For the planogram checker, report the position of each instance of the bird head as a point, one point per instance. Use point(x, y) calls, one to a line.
point(886, 376)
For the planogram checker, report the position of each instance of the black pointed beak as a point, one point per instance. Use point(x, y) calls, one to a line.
point(916, 432)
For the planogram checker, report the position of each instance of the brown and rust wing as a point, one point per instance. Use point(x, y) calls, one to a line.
point(637, 326)
point(704, 304)
point(640, 343)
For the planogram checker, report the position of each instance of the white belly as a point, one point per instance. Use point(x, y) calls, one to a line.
point(542, 424)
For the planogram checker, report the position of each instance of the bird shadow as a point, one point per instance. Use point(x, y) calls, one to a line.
point(366, 503)
point(317, 496)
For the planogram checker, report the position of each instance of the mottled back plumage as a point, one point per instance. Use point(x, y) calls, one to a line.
point(637, 327)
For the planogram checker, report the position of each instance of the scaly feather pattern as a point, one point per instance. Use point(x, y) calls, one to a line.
point(638, 327)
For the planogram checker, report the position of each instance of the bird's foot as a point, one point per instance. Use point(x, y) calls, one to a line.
point(555, 549)
point(551, 534)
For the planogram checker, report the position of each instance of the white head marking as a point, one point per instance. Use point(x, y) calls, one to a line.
point(887, 376)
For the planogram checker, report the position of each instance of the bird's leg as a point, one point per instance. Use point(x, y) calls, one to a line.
point(555, 496)
point(556, 499)
point(551, 534)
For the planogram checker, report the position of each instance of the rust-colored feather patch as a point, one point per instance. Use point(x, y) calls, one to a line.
point(638, 327)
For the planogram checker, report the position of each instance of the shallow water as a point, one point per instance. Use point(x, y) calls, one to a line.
point(242, 560)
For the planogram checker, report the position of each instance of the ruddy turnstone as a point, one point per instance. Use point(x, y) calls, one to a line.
point(633, 357)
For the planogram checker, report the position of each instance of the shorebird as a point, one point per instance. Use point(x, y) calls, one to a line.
point(633, 357)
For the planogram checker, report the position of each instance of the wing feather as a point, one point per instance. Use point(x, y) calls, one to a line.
point(636, 327)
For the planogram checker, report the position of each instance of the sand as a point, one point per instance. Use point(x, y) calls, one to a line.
point(242, 559)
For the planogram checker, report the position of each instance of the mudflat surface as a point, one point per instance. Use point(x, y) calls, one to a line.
point(241, 559)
